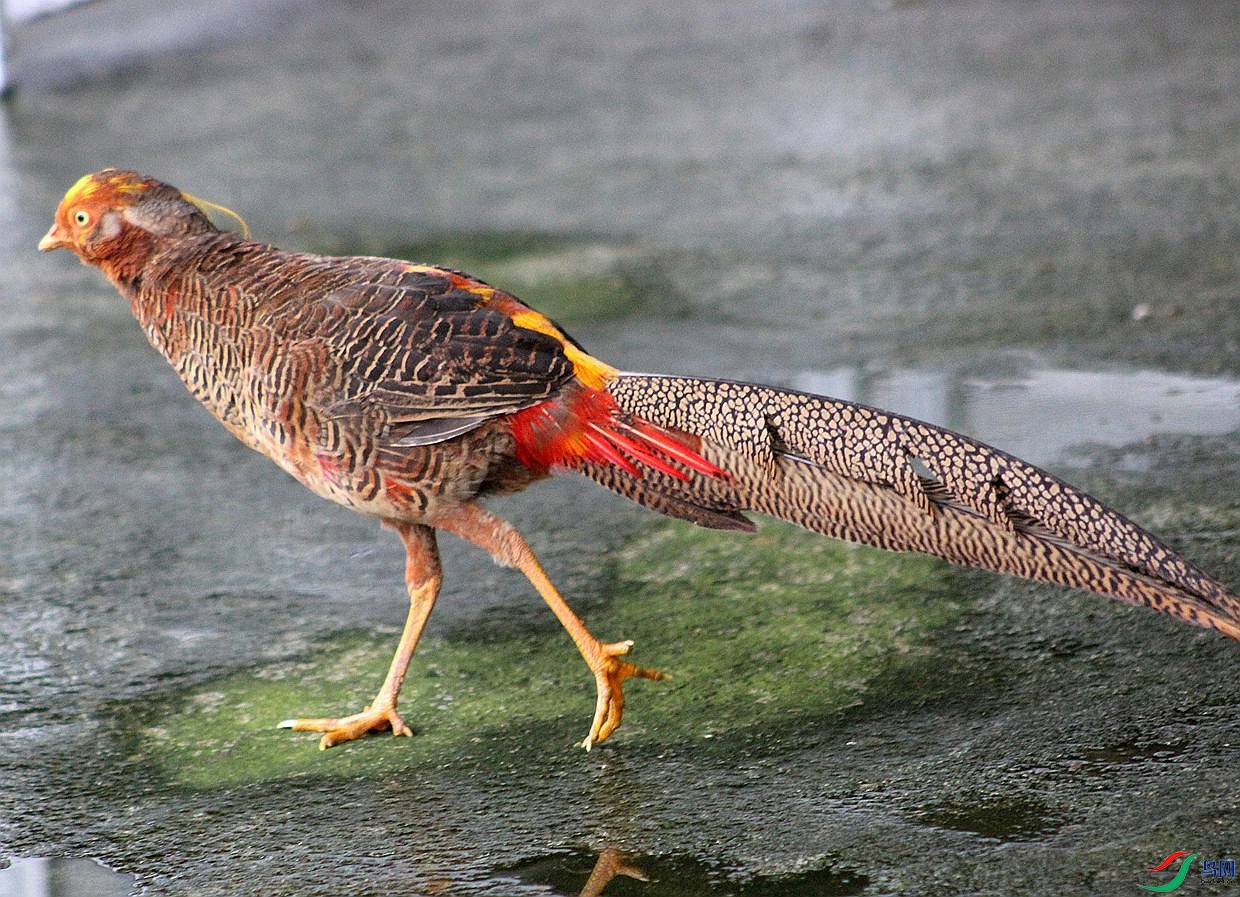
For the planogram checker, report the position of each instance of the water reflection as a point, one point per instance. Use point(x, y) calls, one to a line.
point(1006, 820)
point(610, 863)
point(624, 858)
point(1038, 412)
point(618, 874)
point(62, 877)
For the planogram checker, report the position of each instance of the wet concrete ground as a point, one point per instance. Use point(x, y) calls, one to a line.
point(976, 200)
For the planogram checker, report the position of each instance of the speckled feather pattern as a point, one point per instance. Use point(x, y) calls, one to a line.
point(847, 470)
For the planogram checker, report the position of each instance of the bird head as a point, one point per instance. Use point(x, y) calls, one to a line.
point(115, 220)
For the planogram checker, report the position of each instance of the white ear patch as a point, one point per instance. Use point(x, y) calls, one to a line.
point(109, 226)
point(143, 219)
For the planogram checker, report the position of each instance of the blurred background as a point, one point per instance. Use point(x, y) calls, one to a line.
point(1018, 220)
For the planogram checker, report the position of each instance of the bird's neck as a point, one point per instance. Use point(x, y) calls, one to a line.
point(123, 258)
point(160, 281)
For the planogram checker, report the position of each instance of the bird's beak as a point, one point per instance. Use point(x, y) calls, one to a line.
point(53, 239)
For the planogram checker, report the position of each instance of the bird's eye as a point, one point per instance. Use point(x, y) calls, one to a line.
point(81, 217)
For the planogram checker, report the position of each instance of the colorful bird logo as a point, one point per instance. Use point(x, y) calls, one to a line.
point(1185, 864)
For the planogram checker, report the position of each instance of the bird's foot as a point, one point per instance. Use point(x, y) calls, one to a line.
point(609, 672)
point(376, 718)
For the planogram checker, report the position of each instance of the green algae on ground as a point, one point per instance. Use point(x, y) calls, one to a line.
point(782, 623)
point(757, 632)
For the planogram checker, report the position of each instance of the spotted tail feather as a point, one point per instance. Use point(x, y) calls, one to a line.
point(868, 476)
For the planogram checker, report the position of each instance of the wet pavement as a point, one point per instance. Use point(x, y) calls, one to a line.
point(1020, 221)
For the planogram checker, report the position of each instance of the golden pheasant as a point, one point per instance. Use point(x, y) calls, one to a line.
point(411, 393)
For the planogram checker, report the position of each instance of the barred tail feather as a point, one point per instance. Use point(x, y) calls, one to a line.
point(869, 476)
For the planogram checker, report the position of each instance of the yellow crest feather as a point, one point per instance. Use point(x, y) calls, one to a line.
point(84, 187)
point(206, 206)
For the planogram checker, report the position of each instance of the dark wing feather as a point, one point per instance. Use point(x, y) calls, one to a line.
point(430, 362)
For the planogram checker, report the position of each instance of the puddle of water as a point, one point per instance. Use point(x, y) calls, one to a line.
point(1039, 413)
point(1009, 820)
point(1101, 763)
point(62, 877)
point(615, 874)
point(1134, 752)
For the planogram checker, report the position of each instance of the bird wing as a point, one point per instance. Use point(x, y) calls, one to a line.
point(429, 354)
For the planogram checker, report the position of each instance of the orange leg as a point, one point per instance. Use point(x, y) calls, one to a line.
point(422, 577)
point(509, 547)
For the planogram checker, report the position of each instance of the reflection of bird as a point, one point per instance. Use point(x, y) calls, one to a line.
point(610, 863)
point(409, 393)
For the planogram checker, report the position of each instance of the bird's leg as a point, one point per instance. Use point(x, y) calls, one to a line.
point(422, 577)
point(509, 547)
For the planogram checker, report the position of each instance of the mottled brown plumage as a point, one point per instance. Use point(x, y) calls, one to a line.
point(410, 392)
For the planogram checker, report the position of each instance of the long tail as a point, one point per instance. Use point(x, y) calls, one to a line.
point(857, 473)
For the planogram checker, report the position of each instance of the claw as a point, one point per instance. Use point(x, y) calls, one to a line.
point(609, 675)
point(350, 728)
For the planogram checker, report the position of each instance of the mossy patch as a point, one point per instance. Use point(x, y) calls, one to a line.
point(782, 623)
point(760, 633)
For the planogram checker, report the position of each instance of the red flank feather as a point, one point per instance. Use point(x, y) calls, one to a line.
point(587, 426)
